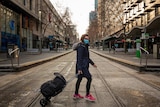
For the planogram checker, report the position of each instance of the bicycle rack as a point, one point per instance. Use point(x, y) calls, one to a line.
point(17, 55)
point(146, 55)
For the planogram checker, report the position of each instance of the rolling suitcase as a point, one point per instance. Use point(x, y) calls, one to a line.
point(53, 87)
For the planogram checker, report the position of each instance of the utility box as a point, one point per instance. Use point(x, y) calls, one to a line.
point(138, 45)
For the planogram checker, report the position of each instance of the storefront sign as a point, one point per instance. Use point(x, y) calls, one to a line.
point(145, 36)
point(11, 24)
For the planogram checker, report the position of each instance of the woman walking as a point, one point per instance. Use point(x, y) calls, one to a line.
point(82, 68)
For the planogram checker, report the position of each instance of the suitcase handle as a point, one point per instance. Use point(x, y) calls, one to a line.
point(73, 78)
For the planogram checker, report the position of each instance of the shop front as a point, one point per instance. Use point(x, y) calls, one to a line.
point(9, 32)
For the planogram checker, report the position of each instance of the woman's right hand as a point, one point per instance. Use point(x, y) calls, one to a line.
point(80, 72)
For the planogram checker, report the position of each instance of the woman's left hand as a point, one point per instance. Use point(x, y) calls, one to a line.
point(95, 66)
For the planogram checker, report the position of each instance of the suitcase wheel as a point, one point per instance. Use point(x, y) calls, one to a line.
point(43, 102)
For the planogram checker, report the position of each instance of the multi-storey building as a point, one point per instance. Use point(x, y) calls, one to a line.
point(30, 24)
point(142, 19)
point(19, 23)
point(52, 26)
point(110, 20)
point(123, 22)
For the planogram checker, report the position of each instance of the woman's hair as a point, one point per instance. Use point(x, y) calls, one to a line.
point(83, 36)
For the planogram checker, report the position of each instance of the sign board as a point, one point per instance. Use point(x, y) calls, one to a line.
point(145, 36)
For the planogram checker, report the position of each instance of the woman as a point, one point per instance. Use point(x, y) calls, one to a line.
point(82, 68)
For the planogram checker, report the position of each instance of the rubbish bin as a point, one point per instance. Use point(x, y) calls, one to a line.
point(10, 48)
point(138, 45)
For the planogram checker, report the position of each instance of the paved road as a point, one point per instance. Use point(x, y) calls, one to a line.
point(113, 85)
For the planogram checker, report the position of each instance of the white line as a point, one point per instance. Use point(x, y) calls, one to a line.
point(69, 69)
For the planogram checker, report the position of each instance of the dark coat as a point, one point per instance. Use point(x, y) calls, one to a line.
point(83, 60)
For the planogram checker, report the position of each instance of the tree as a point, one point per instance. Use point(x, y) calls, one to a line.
point(93, 31)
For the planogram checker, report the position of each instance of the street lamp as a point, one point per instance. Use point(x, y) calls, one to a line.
point(124, 28)
point(40, 40)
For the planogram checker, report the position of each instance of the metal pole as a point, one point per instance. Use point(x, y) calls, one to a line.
point(146, 59)
point(140, 57)
point(11, 61)
point(18, 56)
point(40, 12)
point(0, 27)
point(125, 48)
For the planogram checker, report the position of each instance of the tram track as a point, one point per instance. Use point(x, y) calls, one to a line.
point(120, 102)
point(64, 67)
point(140, 79)
point(131, 74)
point(39, 95)
point(115, 98)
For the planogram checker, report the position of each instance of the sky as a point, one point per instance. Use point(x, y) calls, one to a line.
point(79, 12)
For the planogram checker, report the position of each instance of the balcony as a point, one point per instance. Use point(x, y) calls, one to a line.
point(157, 4)
point(142, 14)
point(131, 2)
point(129, 8)
point(138, 1)
point(126, 11)
point(149, 10)
point(134, 14)
point(138, 10)
point(124, 2)
point(132, 20)
point(137, 17)
point(133, 5)
point(152, 1)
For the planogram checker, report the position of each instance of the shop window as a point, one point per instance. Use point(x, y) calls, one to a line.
point(25, 22)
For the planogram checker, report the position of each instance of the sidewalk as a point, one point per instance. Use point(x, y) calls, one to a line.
point(29, 60)
point(131, 57)
point(26, 59)
point(131, 60)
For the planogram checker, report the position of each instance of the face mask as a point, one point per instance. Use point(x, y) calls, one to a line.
point(86, 41)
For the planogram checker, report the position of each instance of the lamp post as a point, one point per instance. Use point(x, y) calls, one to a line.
point(124, 28)
point(144, 29)
point(40, 40)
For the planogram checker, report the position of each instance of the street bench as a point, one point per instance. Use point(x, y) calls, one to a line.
point(46, 50)
point(33, 51)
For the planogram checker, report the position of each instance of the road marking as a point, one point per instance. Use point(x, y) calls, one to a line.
point(69, 69)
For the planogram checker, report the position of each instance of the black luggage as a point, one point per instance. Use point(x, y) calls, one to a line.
point(52, 88)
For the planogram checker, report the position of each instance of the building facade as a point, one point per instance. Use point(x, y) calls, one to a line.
point(124, 22)
point(18, 23)
point(30, 24)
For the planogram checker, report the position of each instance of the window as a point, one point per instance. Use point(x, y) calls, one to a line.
point(156, 11)
point(30, 1)
point(141, 20)
point(37, 25)
point(148, 17)
point(151, 1)
point(24, 2)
